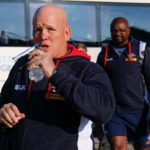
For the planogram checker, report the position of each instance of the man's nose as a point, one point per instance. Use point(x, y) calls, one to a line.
point(44, 34)
point(118, 32)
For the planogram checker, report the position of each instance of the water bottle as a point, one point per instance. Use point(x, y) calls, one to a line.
point(36, 74)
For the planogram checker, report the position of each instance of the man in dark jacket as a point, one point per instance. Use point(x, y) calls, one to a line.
point(126, 60)
point(54, 113)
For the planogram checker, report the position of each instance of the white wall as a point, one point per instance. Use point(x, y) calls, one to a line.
point(6, 61)
point(93, 52)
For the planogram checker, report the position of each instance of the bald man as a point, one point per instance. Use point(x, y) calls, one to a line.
point(126, 61)
point(55, 113)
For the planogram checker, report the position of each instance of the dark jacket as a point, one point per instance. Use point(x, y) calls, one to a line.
point(57, 109)
point(127, 76)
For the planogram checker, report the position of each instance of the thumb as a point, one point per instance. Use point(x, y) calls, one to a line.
point(22, 115)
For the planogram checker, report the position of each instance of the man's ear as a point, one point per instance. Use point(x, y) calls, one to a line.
point(129, 30)
point(67, 33)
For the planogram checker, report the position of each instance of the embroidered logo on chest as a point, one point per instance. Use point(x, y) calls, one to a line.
point(19, 87)
point(109, 59)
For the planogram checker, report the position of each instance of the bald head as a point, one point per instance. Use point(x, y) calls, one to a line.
point(119, 20)
point(57, 12)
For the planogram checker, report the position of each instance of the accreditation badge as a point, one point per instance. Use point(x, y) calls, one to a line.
point(131, 59)
point(148, 140)
point(53, 95)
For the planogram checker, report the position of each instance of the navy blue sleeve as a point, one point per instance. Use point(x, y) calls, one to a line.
point(8, 85)
point(146, 68)
point(90, 95)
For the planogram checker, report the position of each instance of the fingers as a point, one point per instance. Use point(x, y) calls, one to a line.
point(34, 53)
point(9, 125)
point(35, 61)
point(10, 115)
point(35, 58)
point(42, 59)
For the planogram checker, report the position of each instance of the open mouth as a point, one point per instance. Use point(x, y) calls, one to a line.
point(44, 47)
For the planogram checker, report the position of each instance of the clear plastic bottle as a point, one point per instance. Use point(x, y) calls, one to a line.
point(36, 74)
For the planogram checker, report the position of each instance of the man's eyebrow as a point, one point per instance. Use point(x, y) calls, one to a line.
point(119, 30)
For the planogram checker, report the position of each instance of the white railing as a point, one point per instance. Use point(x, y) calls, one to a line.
point(7, 53)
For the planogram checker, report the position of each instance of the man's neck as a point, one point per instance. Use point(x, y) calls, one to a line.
point(120, 45)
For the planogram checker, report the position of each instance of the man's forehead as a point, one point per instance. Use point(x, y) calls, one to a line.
point(120, 22)
point(51, 13)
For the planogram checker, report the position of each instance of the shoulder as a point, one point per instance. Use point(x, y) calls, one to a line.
point(20, 63)
point(102, 52)
point(103, 49)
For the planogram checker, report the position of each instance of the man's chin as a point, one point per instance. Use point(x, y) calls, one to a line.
point(45, 49)
point(118, 41)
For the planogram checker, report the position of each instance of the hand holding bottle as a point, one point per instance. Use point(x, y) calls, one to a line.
point(41, 64)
